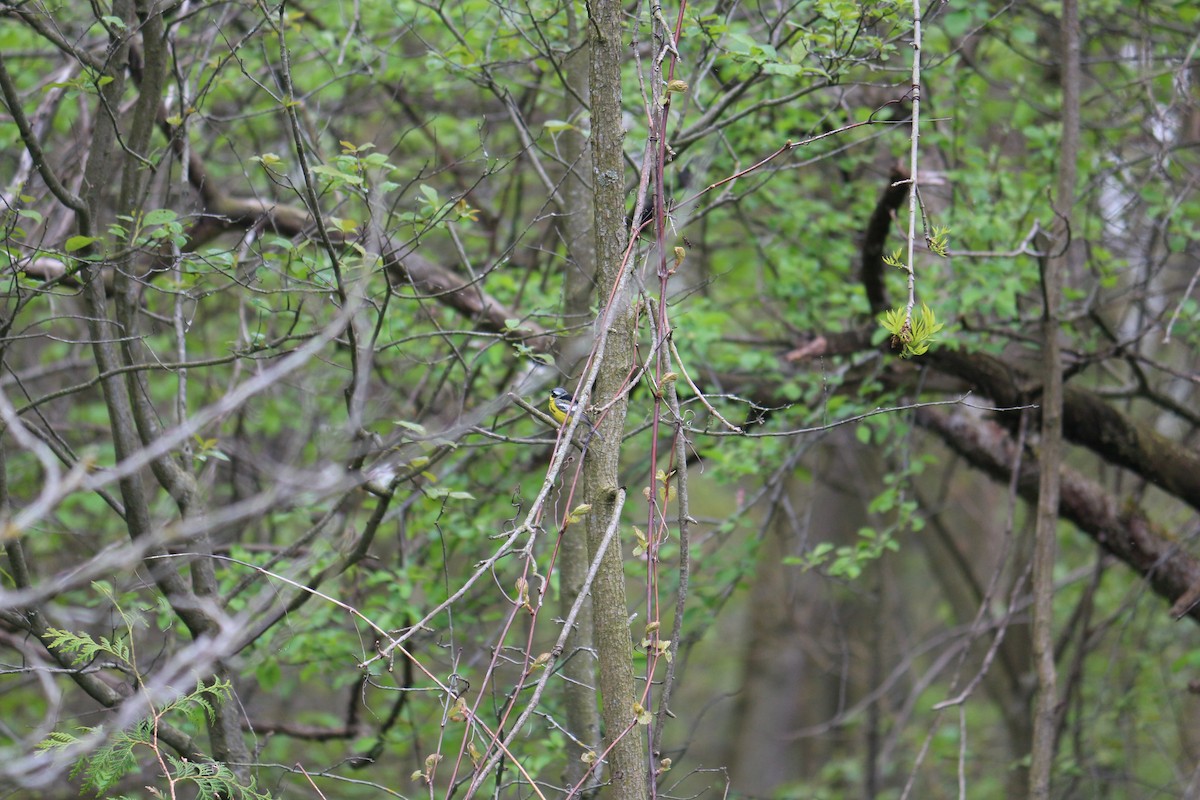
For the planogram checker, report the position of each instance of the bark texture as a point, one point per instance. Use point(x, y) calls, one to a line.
point(578, 211)
point(624, 738)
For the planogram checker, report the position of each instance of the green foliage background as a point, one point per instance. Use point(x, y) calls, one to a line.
point(439, 130)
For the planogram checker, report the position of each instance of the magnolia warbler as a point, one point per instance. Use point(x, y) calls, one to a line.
point(562, 406)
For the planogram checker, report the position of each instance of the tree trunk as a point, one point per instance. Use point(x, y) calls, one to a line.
point(1045, 716)
point(578, 671)
point(624, 738)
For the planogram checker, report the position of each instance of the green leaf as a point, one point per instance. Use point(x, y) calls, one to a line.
point(159, 216)
point(268, 160)
point(784, 69)
point(863, 434)
point(336, 175)
point(268, 673)
point(79, 242)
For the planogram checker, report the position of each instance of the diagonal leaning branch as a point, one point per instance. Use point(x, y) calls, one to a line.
point(1087, 420)
point(222, 212)
point(1126, 533)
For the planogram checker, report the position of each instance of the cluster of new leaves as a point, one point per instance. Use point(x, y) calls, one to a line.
point(117, 757)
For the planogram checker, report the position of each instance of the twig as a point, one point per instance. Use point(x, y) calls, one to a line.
point(914, 137)
point(699, 394)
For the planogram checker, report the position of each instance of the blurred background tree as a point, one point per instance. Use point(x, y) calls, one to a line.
point(286, 286)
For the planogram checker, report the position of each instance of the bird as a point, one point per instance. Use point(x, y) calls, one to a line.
point(562, 405)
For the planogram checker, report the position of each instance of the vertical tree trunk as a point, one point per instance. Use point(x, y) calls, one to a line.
point(1045, 715)
point(623, 737)
point(579, 674)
